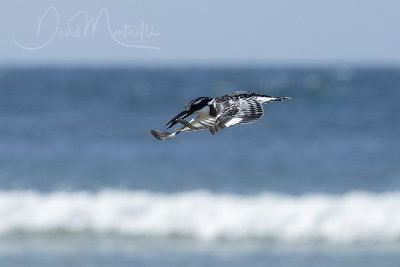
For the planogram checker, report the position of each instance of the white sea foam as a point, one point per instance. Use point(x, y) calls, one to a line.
point(348, 218)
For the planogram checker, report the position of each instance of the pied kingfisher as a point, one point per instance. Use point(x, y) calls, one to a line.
point(218, 113)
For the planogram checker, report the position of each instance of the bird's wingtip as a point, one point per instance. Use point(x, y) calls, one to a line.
point(162, 135)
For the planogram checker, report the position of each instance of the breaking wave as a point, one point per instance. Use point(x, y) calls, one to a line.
point(348, 218)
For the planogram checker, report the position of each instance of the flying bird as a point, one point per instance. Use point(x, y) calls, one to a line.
point(218, 113)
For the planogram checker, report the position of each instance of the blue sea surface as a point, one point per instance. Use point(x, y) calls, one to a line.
point(89, 129)
point(69, 136)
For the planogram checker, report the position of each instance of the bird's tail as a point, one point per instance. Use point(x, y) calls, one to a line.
point(280, 98)
point(265, 99)
point(162, 135)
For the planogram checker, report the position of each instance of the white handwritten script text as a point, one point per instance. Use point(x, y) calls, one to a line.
point(81, 25)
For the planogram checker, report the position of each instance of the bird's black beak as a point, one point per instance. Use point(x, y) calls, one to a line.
point(181, 115)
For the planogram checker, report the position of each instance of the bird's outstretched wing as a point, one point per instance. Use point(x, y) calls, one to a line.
point(195, 124)
point(200, 122)
point(237, 111)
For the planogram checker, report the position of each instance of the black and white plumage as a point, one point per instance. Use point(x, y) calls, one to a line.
point(218, 113)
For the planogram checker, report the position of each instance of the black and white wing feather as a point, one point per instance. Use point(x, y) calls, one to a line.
point(203, 122)
point(236, 109)
point(200, 122)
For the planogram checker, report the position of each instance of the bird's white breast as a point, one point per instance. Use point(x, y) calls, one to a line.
point(204, 111)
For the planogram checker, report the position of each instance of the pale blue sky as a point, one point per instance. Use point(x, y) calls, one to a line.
point(203, 32)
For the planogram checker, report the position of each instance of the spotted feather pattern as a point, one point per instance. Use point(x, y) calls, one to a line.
point(237, 108)
point(200, 122)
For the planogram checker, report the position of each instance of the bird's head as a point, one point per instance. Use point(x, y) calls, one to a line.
point(193, 106)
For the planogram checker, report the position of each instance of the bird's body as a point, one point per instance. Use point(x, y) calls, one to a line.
point(218, 113)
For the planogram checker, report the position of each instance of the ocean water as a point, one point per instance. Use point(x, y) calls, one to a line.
point(315, 182)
